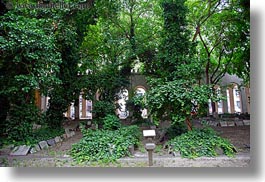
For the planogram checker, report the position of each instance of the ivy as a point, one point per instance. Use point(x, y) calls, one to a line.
point(175, 100)
point(105, 145)
point(201, 142)
point(111, 122)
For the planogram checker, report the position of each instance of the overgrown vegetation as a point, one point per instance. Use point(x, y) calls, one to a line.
point(33, 137)
point(111, 122)
point(105, 145)
point(201, 142)
point(15, 129)
point(65, 52)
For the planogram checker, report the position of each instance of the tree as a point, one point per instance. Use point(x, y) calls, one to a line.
point(63, 33)
point(124, 32)
point(69, 37)
point(175, 93)
point(222, 28)
point(30, 61)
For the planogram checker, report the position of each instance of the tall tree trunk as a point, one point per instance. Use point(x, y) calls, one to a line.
point(76, 105)
point(188, 123)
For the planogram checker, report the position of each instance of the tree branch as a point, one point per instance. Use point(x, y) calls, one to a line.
point(221, 75)
point(219, 63)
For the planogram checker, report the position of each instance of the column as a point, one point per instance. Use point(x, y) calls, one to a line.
point(231, 97)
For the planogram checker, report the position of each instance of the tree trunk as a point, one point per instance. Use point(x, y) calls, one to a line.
point(213, 107)
point(76, 109)
point(188, 123)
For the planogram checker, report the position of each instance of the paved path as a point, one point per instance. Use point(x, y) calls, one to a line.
point(240, 160)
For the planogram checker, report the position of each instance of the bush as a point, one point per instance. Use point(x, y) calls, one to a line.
point(105, 145)
point(35, 137)
point(19, 125)
point(176, 129)
point(111, 122)
point(101, 109)
point(46, 133)
point(201, 142)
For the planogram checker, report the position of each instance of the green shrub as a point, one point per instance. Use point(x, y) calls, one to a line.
point(44, 133)
point(47, 133)
point(101, 109)
point(19, 125)
point(111, 122)
point(201, 142)
point(176, 129)
point(105, 145)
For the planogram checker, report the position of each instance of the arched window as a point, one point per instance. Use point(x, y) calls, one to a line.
point(140, 91)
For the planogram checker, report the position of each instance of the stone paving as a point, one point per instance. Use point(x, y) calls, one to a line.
point(138, 160)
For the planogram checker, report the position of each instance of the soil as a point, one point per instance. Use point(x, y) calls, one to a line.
point(59, 156)
point(239, 136)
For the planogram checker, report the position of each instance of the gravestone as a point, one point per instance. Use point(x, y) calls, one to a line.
point(246, 122)
point(239, 123)
point(72, 133)
point(68, 133)
point(51, 142)
point(57, 139)
point(131, 149)
point(20, 150)
point(230, 123)
point(37, 147)
point(89, 122)
point(32, 150)
point(223, 123)
point(43, 145)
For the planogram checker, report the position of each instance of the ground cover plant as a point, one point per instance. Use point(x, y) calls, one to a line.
point(201, 142)
point(105, 145)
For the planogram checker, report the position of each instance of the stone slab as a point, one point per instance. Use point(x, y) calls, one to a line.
point(230, 123)
point(89, 123)
point(176, 154)
point(64, 136)
point(239, 123)
point(37, 147)
point(131, 149)
point(20, 150)
point(223, 123)
point(36, 126)
point(246, 122)
point(67, 131)
point(57, 139)
point(72, 133)
point(51, 142)
point(32, 150)
point(43, 145)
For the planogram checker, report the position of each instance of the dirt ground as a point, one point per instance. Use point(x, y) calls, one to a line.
point(58, 156)
point(239, 136)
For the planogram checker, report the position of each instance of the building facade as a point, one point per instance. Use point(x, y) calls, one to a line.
point(237, 98)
